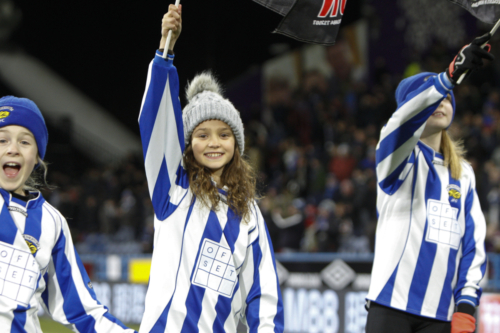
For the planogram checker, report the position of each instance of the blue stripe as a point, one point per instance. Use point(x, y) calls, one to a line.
point(468, 246)
point(223, 306)
point(253, 298)
point(45, 293)
point(403, 133)
point(33, 225)
point(446, 294)
point(428, 250)
point(213, 231)
point(392, 183)
point(160, 198)
point(174, 93)
point(71, 303)
point(161, 323)
point(7, 225)
point(279, 319)
point(385, 295)
point(182, 179)
point(19, 320)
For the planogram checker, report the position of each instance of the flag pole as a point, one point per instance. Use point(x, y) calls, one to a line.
point(169, 37)
point(492, 32)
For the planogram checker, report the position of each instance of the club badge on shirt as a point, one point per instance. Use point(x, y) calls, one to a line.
point(32, 243)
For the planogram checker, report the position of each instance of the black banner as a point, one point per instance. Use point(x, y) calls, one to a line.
point(310, 21)
point(486, 10)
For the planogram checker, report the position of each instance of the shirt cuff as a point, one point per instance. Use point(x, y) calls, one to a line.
point(445, 81)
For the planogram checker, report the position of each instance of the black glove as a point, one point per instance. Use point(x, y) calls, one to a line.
point(469, 58)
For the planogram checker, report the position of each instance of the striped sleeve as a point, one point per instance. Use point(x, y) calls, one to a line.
point(472, 265)
point(403, 130)
point(162, 135)
point(264, 306)
point(69, 297)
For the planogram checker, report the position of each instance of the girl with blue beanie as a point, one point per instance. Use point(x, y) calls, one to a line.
point(429, 246)
point(213, 264)
point(38, 263)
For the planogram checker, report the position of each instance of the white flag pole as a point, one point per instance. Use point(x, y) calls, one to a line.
point(492, 32)
point(169, 37)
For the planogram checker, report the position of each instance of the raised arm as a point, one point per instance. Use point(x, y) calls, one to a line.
point(403, 130)
point(161, 128)
point(69, 296)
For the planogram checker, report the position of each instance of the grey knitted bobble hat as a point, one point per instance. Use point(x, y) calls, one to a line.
point(205, 102)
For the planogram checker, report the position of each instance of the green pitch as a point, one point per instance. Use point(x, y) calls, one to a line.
point(50, 326)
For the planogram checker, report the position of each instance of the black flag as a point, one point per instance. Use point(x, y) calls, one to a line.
point(486, 10)
point(312, 21)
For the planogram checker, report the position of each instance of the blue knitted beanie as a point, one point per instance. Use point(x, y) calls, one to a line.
point(24, 112)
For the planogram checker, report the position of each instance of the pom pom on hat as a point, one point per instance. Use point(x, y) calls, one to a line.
point(202, 82)
point(207, 103)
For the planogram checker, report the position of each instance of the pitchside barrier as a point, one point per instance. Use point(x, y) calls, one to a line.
point(322, 292)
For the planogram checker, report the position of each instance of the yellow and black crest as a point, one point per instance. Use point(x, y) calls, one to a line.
point(32, 243)
point(454, 191)
point(4, 114)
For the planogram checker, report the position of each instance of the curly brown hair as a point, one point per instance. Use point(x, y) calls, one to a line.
point(238, 175)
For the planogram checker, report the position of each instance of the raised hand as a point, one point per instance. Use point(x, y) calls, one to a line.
point(172, 21)
point(469, 58)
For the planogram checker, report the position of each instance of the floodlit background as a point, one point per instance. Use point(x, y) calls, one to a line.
point(312, 118)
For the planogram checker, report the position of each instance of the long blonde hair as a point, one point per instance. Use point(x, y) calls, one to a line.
point(38, 178)
point(454, 154)
point(238, 176)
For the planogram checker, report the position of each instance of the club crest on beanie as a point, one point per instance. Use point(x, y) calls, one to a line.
point(24, 112)
point(207, 103)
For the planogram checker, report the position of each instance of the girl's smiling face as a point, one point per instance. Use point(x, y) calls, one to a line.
point(18, 157)
point(213, 145)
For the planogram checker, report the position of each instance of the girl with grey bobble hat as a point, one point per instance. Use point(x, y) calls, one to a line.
point(213, 264)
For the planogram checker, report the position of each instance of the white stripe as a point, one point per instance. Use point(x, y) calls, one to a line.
point(148, 81)
point(394, 160)
point(210, 298)
point(193, 237)
point(172, 145)
point(164, 265)
point(407, 265)
point(410, 109)
point(268, 283)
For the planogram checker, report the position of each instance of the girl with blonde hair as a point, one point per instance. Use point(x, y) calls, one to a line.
point(429, 246)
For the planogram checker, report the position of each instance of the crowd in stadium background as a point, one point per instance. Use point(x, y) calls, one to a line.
point(314, 149)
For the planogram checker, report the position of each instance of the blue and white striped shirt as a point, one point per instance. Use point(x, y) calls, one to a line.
point(40, 267)
point(429, 247)
point(209, 269)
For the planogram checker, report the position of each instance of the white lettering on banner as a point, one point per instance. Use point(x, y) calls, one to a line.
point(485, 2)
point(355, 313)
point(326, 22)
point(310, 311)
